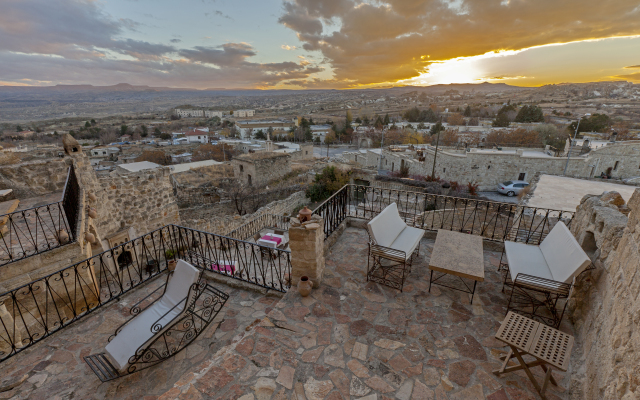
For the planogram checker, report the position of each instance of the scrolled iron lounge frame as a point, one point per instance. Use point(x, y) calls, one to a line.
point(202, 304)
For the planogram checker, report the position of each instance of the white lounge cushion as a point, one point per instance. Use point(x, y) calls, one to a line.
point(526, 259)
point(386, 226)
point(138, 331)
point(408, 240)
point(563, 254)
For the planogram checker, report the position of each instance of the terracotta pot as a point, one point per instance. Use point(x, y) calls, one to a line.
point(304, 214)
point(304, 286)
point(171, 265)
point(93, 213)
point(63, 236)
point(89, 237)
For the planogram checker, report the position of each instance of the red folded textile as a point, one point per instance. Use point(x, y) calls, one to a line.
point(224, 268)
point(272, 238)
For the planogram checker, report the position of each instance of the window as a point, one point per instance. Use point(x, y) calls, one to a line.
point(249, 179)
point(104, 152)
point(241, 167)
point(521, 176)
point(615, 166)
point(444, 170)
point(488, 166)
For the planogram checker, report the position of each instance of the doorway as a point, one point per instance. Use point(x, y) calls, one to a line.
point(521, 176)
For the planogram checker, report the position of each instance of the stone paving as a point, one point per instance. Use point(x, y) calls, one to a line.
point(359, 340)
point(55, 368)
point(349, 339)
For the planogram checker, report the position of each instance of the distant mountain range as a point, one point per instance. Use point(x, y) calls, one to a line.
point(125, 87)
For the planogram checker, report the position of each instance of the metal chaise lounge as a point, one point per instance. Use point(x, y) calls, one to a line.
point(163, 328)
point(392, 248)
point(542, 276)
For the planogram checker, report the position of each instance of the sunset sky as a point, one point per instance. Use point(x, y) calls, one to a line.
point(317, 43)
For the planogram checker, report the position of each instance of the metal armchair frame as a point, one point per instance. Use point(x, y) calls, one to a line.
point(394, 271)
point(540, 299)
point(202, 305)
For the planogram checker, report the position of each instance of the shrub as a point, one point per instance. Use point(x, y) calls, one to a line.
point(472, 187)
point(326, 183)
point(404, 171)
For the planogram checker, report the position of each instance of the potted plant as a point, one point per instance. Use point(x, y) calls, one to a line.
point(171, 262)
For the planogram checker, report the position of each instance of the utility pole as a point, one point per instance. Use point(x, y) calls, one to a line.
point(571, 143)
point(433, 170)
point(380, 159)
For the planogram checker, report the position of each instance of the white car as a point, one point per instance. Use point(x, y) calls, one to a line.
point(512, 188)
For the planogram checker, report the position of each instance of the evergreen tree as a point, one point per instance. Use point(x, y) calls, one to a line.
point(386, 119)
point(467, 111)
point(530, 114)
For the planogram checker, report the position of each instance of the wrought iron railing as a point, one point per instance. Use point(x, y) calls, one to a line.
point(42, 307)
point(492, 220)
point(38, 229)
point(264, 221)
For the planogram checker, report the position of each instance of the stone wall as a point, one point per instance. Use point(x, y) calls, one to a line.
point(605, 306)
point(305, 153)
point(142, 200)
point(220, 218)
point(489, 169)
point(259, 169)
point(35, 178)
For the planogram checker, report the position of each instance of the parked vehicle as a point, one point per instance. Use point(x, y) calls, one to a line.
point(512, 188)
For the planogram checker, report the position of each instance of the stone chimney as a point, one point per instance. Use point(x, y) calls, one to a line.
point(306, 242)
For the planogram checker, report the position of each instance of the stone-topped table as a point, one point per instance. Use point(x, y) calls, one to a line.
point(459, 255)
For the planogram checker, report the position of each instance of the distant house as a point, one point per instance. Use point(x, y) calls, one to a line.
point(185, 113)
point(196, 136)
point(211, 114)
point(244, 113)
point(125, 138)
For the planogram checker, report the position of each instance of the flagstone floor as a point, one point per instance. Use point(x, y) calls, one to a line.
point(359, 340)
point(349, 340)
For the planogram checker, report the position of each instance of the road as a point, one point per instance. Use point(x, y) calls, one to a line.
point(495, 196)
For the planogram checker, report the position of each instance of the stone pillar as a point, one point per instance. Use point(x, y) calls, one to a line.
point(306, 242)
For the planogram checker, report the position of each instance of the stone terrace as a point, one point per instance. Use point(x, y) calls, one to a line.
point(349, 339)
point(55, 368)
point(353, 339)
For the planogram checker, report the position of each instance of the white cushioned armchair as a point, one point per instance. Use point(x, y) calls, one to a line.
point(542, 275)
point(392, 246)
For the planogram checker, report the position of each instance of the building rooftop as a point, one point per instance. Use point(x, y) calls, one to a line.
point(564, 193)
point(139, 166)
point(263, 155)
point(197, 164)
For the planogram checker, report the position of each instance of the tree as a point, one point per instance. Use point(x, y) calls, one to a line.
point(387, 121)
point(358, 120)
point(467, 111)
point(436, 128)
point(93, 121)
point(123, 130)
point(549, 134)
point(165, 136)
point(412, 115)
point(378, 124)
point(530, 114)
point(502, 120)
point(594, 123)
point(517, 137)
point(455, 119)
point(145, 131)
point(18, 128)
point(154, 156)
point(157, 131)
point(348, 118)
point(87, 124)
point(326, 183)
point(260, 134)
point(449, 137)
point(330, 137)
point(473, 121)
